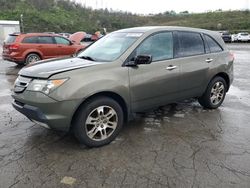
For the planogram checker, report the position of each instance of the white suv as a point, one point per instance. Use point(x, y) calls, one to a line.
point(243, 37)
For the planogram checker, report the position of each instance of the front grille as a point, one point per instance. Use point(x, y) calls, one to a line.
point(21, 84)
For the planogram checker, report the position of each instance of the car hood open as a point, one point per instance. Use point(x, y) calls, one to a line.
point(77, 37)
point(47, 68)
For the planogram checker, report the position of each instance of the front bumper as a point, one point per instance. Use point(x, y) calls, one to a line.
point(44, 110)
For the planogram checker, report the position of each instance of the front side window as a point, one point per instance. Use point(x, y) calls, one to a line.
point(159, 46)
point(45, 40)
point(189, 43)
point(60, 40)
point(110, 47)
point(30, 40)
point(213, 46)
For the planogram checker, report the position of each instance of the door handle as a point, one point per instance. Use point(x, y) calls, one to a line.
point(209, 60)
point(171, 67)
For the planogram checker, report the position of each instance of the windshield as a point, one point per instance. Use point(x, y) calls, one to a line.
point(110, 47)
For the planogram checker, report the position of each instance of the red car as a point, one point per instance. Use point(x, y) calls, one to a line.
point(31, 47)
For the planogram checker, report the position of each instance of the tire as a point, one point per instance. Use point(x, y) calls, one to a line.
point(96, 118)
point(31, 58)
point(214, 94)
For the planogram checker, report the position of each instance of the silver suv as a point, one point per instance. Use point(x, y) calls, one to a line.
point(125, 72)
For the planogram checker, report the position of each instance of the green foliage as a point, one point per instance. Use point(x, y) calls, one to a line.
point(68, 16)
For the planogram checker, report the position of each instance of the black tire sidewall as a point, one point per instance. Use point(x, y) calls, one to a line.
point(85, 110)
point(207, 94)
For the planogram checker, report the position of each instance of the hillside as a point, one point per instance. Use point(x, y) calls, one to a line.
point(68, 16)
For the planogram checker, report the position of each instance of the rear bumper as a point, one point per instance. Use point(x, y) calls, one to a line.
point(243, 39)
point(13, 57)
point(227, 39)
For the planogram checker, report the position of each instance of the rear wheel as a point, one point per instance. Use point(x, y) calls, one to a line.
point(214, 94)
point(32, 58)
point(98, 122)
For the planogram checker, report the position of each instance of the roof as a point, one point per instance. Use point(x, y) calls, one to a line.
point(155, 28)
point(152, 29)
point(36, 34)
point(9, 22)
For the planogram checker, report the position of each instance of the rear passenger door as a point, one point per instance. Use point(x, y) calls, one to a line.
point(64, 46)
point(194, 62)
point(47, 46)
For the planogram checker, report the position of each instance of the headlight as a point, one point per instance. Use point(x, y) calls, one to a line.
point(45, 86)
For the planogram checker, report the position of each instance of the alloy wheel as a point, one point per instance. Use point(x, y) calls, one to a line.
point(217, 93)
point(101, 123)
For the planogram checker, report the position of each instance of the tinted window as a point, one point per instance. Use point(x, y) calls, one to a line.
point(30, 40)
point(159, 46)
point(189, 44)
point(212, 44)
point(60, 40)
point(244, 34)
point(11, 39)
point(45, 40)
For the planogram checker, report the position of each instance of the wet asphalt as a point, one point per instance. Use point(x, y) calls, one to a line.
point(178, 145)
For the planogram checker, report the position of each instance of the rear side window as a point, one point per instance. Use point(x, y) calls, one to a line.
point(30, 40)
point(60, 40)
point(189, 44)
point(244, 34)
point(160, 46)
point(212, 44)
point(11, 39)
point(45, 40)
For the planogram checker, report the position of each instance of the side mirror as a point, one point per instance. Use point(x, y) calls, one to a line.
point(140, 59)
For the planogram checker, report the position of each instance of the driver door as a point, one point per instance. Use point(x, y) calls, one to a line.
point(154, 84)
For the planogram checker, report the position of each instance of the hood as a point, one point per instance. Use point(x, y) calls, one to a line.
point(77, 37)
point(47, 68)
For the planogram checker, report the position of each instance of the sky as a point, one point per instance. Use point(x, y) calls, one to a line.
point(157, 6)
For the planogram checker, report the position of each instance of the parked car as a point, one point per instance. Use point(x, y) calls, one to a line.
point(226, 36)
point(87, 40)
point(125, 72)
point(66, 35)
point(31, 47)
point(234, 37)
point(243, 37)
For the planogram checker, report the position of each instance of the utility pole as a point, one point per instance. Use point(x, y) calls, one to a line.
point(21, 20)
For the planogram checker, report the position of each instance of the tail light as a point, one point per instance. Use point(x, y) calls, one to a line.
point(231, 56)
point(14, 47)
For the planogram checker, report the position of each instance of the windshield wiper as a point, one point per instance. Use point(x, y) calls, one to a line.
point(87, 57)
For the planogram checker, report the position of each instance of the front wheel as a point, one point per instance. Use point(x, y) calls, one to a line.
point(98, 121)
point(214, 94)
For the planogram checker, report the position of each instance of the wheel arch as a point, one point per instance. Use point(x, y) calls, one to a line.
point(109, 94)
point(224, 76)
point(33, 52)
